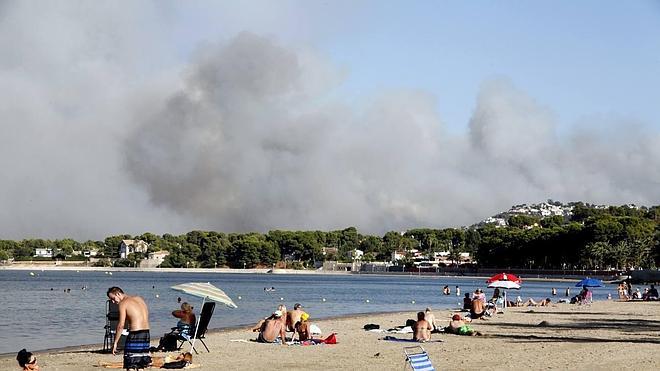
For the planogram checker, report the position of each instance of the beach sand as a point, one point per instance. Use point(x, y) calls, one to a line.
point(605, 335)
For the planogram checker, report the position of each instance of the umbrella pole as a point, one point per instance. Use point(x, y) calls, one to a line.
point(504, 306)
point(192, 348)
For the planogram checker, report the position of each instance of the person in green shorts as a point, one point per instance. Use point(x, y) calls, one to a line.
point(458, 326)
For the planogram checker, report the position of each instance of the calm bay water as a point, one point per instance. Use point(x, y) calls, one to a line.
point(38, 318)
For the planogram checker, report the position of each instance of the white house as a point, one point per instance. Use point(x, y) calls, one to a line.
point(43, 253)
point(128, 247)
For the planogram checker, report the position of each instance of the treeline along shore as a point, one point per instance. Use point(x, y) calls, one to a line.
point(590, 237)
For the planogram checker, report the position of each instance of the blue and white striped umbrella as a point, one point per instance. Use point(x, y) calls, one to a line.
point(207, 291)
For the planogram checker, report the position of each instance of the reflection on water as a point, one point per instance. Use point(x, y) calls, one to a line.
point(40, 318)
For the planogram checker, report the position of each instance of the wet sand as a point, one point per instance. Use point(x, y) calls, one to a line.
point(605, 335)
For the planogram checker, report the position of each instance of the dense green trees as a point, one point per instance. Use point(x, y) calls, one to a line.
point(592, 238)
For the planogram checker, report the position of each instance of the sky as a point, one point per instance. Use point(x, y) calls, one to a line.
point(171, 116)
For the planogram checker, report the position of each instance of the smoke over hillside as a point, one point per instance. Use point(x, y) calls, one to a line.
point(246, 144)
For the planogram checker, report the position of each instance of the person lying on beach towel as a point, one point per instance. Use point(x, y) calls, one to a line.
point(543, 303)
point(458, 326)
point(183, 360)
point(392, 338)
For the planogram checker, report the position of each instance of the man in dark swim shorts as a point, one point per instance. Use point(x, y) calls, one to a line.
point(136, 350)
point(133, 309)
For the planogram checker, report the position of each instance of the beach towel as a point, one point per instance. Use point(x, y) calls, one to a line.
point(401, 330)
point(136, 350)
point(392, 338)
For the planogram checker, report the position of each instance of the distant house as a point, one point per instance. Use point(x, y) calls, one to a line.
point(127, 247)
point(330, 250)
point(43, 253)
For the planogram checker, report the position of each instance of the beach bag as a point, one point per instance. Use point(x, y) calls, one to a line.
point(332, 339)
point(175, 365)
point(371, 326)
point(168, 343)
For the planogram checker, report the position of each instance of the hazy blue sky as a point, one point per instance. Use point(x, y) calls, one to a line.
point(168, 116)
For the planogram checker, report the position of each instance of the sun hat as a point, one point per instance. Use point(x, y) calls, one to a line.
point(304, 316)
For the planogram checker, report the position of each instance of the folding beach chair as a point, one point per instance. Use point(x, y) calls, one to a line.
point(418, 359)
point(111, 321)
point(200, 332)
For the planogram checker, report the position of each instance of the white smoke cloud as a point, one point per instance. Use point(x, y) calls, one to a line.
point(104, 132)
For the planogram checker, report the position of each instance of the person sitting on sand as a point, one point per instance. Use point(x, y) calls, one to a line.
point(281, 308)
point(27, 361)
point(496, 295)
point(302, 328)
point(272, 329)
point(293, 317)
point(430, 318)
point(479, 294)
point(653, 293)
point(467, 302)
point(458, 326)
point(542, 303)
point(421, 329)
point(478, 309)
point(186, 324)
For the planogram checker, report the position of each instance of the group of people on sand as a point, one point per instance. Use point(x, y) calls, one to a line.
point(478, 306)
point(426, 325)
point(273, 328)
point(134, 311)
point(625, 292)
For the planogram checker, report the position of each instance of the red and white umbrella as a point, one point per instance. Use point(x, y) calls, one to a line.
point(504, 281)
point(504, 277)
point(504, 285)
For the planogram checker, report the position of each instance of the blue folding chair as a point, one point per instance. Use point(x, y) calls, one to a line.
point(418, 359)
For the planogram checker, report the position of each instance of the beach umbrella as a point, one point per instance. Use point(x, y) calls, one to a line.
point(504, 277)
point(589, 282)
point(206, 291)
point(505, 285)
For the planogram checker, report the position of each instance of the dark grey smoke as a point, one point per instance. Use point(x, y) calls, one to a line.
point(245, 146)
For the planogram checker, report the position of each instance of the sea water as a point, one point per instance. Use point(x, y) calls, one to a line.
point(53, 309)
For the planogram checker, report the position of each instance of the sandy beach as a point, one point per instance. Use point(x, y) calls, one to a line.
point(606, 335)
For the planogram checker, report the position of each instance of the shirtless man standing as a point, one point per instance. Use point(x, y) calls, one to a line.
point(133, 309)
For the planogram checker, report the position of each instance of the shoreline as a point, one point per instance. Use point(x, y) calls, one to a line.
point(27, 267)
point(604, 335)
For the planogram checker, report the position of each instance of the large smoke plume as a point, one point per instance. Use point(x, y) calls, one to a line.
point(99, 137)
